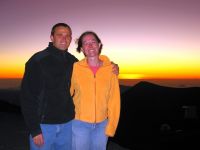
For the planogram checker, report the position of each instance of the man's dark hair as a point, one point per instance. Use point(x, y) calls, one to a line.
point(58, 25)
point(80, 43)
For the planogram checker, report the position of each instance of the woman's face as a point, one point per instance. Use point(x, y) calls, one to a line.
point(90, 46)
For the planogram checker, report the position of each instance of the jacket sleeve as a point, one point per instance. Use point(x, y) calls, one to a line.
point(29, 96)
point(113, 107)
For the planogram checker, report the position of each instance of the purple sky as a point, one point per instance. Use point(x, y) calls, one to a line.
point(135, 33)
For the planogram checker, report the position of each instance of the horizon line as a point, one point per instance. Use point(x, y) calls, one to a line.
point(128, 78)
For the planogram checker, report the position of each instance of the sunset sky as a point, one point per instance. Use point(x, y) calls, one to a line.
point(146, 38)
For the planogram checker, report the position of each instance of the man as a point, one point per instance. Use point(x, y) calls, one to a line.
point(46, 103)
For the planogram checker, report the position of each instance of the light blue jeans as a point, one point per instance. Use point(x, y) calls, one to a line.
point(89, 136)
point(56, 137)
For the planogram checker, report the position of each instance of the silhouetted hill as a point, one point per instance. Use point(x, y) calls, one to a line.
point(150, 113)
point(9, 100)
point(10, 95)
point(7, 107)
point(124, 88)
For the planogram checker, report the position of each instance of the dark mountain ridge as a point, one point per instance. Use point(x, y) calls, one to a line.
point(150, 113)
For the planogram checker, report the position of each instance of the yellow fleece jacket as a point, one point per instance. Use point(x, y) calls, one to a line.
point(96, 97)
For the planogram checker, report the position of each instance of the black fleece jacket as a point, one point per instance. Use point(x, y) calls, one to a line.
point(45, 89)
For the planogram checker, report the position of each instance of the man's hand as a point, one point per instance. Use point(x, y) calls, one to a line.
point(115, 68)
point(38, 140)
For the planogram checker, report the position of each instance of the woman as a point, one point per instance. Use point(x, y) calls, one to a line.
point(96, 96)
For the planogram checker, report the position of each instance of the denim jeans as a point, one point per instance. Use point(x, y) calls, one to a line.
point(88, 136)
point(56, 137)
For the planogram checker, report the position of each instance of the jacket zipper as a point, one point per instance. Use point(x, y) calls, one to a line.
point(94, 76)
point(95, 97)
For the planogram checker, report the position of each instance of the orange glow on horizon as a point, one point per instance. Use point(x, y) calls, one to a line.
point(158, 76)
point(131, 76)
point(11, 73)
point(5, 75)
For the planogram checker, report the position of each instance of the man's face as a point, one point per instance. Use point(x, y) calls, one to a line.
point(62, 37)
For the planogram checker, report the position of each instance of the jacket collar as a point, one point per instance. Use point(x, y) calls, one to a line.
point(103, 58)
point(55, 50)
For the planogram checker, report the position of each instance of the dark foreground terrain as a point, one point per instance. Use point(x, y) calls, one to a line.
point(152, 117)
point(159, 118)
point(13, 132)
